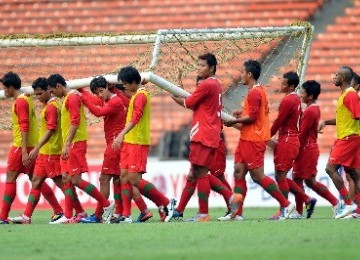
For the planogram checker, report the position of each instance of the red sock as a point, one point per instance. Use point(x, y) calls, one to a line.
point(219, 187)
point(76, 203)
point(357, 202)
point(94, 192)
point(48, 194)
point(324, 192)
point(298, 197)
point(283, 187)
point(186, 194)
point(117, 197)
point(32, 202)
point(99, 210)
point(203, 187)
point(270, 186)
point(9, 196)
point(151, 192)
point(224, 181)
point(297, 190)
point(345, 195)
point(140, 203)
point(240, 187)
point(126, 195)
point(69, 197)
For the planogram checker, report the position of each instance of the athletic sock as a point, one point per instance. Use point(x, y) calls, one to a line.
point(151, 192)
point(283, 187)
point(241, 188)
point(186, 195)
point(270, 186)
point(49, 196)
point(8, 198)
point(203, 187)
point(140, 203)
point(126, 195)
point(118, 202)
point(324, 192)
point(33, 200)
point(94, 192)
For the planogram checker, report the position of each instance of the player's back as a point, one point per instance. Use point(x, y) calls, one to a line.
point(309, 125)
point(115, 122)
point(259, 130)
point(206, 123)
point(66, 110)
point(20, 103)
point(291, 105)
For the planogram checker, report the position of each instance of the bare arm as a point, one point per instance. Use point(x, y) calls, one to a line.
point(324, 123)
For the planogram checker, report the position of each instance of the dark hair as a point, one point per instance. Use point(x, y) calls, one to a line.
point(348, 74)
point(55, 79)
point(312, 87)
point(254, 67)
point(292, 78)
point(356, 78)
point(98, 82)
point(129, 75)
point(11, 79)
point(40, 82)
point(210, 60)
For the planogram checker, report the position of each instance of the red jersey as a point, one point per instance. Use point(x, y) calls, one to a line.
point(309, 125)
point(120, 94)
point(206, 104)
point(113, 111)
point(288, 119)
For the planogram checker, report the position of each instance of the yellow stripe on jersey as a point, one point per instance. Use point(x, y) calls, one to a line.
point(81, 133)
point(345, 124)
point(140, 133)
point(32, 138)
point(54, 145)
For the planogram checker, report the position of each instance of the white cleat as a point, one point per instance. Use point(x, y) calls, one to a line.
point(352, 216)
point(108, 212)
point(62, 220)
point(346, 211)
point(171, 209)
point(125, 220)
point(285, 212)
point(337, 208)
point(227, 217)
point(22, 219)
point(296, 215)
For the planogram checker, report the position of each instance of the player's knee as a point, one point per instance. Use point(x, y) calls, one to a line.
point(36, 182)
point(11, 176)
point(116, 180)
point(104, 179)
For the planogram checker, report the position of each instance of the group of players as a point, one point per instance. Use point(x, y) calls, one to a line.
point(60, 152)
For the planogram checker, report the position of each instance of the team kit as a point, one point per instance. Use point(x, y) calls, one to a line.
point(53, 145)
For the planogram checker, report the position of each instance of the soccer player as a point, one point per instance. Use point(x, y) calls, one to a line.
point(255, 132)
point(287, 146)
point(73, 161)
point(306, 162)
point(345, 150)
point(205, 133)
point(108, 105)
point(135, 141)
point(25, 138)
point(47, 152)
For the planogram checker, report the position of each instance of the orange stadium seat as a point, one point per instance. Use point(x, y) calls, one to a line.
point(120, 16)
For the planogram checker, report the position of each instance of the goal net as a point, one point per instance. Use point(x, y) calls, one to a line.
point(79, 57)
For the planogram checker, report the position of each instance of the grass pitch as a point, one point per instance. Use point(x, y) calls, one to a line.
point(255, 238)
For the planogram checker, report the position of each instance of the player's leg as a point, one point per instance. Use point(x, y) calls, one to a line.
point(217, 186)
point(126, 195)
point(270, 186)
point(145, 213)
point(186, 195)
point(137, 161)
point(78, 165)
point(14, 167)
point(323, 191)
point(240, 172)
point(351, 185)
point(355, 176)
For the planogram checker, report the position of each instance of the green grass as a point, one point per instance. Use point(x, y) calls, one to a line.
point(255, 238)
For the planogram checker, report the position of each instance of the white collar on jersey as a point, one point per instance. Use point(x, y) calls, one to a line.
point(51, 99)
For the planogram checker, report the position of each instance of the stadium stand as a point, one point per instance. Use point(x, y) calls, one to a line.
point(328, 52)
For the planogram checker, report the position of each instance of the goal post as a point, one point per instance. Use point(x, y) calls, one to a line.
point(161, 55)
